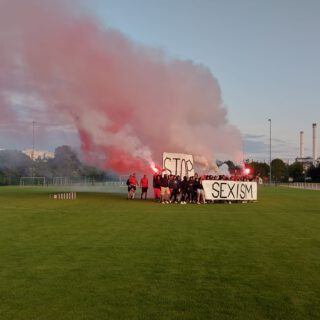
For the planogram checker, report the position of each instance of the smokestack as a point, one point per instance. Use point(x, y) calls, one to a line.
point(314, 142)
point(301, 144)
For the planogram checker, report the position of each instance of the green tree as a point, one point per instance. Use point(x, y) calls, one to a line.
point(42, 167)
point(279, 170)
point(65, 162)
point(314, 172)
point(296, 171)
point(14, 163)
point(95, 173)
point(260, 169)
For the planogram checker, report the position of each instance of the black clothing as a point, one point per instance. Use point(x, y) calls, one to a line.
point(164, 182)
point(175, 189)
point(171, 184)
point(156, 182)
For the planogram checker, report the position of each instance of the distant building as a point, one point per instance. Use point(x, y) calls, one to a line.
point(307, 162)
point(38, 154)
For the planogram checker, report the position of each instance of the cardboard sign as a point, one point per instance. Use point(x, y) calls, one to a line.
point(178, 164)
point(229, 190)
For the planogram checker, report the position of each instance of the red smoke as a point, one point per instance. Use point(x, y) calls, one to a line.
point(129, 103)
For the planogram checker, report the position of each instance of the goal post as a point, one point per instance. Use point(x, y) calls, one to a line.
point(32, 181)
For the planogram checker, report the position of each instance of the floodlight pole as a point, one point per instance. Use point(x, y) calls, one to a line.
point(270, 177)
point(32, 155)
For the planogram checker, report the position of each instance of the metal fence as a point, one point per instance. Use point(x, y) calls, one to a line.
point(66, 181)
point(302, 185)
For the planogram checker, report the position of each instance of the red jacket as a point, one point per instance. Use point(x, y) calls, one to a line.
point(144, 183)
point(133, 181)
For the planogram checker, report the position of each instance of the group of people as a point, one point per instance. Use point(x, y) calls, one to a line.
point(171, 188)
point(133, 183)
point(168, 188)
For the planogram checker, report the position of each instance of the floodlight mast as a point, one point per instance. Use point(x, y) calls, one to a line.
point(32, 154)
point(270, 172)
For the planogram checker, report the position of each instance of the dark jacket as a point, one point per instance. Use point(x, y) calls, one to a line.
point(156, 182)
point(164, 182)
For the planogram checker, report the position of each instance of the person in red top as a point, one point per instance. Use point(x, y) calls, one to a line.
point(144, 184)
point(133, 183)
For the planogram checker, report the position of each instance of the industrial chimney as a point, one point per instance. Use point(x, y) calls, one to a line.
point(301, 144)
point(314, 142)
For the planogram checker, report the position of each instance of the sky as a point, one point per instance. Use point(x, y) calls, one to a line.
point(264, 55)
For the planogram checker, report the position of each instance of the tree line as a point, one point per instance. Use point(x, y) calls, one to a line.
point(284, 172)
point(65, 163)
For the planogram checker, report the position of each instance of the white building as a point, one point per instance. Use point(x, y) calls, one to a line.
point(38, 153)
point(308, 161)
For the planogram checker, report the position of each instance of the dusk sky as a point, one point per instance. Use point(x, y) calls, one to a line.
point(264, 55)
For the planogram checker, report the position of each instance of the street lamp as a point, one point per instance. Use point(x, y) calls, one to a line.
point(32, 153)
point(270, 179)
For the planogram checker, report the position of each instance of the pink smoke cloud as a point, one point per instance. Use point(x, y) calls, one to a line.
point(129, 103)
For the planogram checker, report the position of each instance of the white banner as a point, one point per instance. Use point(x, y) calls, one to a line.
point(229, 190)
point(178, 164)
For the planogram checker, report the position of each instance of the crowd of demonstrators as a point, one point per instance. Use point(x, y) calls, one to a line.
point(173, 189)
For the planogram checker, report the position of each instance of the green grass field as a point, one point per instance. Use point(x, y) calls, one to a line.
point(104, 257)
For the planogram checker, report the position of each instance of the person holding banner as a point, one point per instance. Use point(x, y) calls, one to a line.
point(190, 190)
point(184, 189)
point(165, 192)
point(175, 189)
point(171, 183)
point(200, 191)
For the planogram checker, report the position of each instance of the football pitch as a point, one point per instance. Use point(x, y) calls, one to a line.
point(104, 257)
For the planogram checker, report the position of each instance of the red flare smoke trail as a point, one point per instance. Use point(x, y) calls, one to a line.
point(129, 103)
